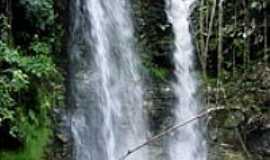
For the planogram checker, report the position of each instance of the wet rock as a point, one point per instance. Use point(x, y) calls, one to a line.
point(259, 143)
point(258, 137)
point(62, 138)
point(160, 99)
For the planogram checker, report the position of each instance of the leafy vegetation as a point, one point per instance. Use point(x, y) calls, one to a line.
point(240, 37)
point(31, 84)
point(36, 139)
point(154, 38)
point(232, 44)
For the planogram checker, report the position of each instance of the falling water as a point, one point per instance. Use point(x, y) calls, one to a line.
point(106, 90)
point(187, 143)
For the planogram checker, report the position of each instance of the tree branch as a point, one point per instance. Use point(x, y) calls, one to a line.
point(173, 128)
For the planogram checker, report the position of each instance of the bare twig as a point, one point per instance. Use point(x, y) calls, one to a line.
point(173, 128)
point(244, 147)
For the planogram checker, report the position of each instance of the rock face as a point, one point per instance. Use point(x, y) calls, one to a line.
point(61, 147)
point(251, 121)
point(257, 128)
point(160, 99)
point(155, 45)
point(61, 7)
point(259, 143)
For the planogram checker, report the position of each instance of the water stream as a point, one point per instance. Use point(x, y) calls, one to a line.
point(106, 89)
point(187, 143)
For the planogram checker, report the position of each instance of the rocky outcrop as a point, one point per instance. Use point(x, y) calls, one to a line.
point(61, 144)
point(61, 147)
point(155, 44)
point(258, 136)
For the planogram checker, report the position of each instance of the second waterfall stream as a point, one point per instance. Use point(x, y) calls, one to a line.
point(187, 143)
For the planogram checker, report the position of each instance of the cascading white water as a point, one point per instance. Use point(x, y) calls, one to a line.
point(105, 86)
point(187, 143)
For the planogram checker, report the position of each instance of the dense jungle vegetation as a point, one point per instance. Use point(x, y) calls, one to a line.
point(232, 44)
point(232, 47)
point(31, 79)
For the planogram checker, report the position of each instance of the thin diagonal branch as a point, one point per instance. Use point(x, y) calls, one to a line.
point(173, 128)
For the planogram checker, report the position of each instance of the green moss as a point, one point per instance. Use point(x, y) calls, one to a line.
point(156, 72)
point(229, 155)
point(159, 73)
point(35, 147)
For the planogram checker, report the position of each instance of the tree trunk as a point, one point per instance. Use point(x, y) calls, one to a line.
point(234, 50)
point(220, 39)
point(220, 49)
point(203, 57)
point(266, 56)
point(246, 30)
point(210, 30)
point(6, 14)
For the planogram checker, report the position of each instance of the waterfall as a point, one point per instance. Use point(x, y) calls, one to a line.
point(106, 90)
point(187, 143)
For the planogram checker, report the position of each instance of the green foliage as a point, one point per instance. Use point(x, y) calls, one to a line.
point(243, 33)
point(40, 12)
point(40, 48)
point(244, 44)
point(30, 82)
point(154, 37)
point(159, 73)
point(21, 75)
point(4, 26)
point(36, 139)
point(243, 76)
